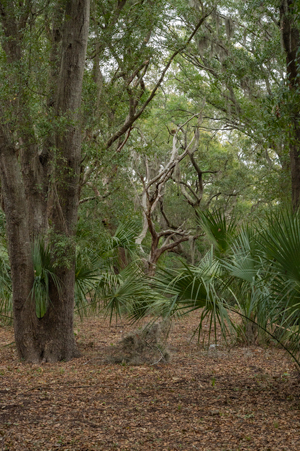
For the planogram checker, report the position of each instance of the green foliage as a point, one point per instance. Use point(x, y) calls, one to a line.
point(192, 288)
point(280, 243)
point(246, 277)
point(5, 287)
point(219, 229)
point(61, 250)
point(126, 293)
point(86, 277)
point(258, 280)
point(101, 283)
point(44, 275)
point(125, 236)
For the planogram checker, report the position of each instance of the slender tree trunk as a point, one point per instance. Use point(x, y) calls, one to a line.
point(291, 41)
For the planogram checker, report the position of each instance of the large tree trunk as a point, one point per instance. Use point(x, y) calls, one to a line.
point(28, 187)
point(18, 243)
point(291, 41)
point(295, 168)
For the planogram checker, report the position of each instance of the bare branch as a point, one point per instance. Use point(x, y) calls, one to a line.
point(170, 233)
point(87, 199)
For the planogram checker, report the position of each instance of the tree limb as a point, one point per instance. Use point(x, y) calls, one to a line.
point(131, 119)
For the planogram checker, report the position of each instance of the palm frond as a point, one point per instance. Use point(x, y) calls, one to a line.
point(219, 229)
point(86, 280)
point(5, 287)
point(127, 293)
point(44, 274)
point(280, 242)
point(196, 288)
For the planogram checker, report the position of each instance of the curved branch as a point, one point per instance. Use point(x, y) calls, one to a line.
point(132, 118)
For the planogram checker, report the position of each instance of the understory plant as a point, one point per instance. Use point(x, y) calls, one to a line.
point(255, 275)
point(5, 287)
point(107, 283)
point(257, 278)
point(100, 281)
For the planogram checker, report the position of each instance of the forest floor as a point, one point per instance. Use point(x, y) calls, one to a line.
point(242, 398)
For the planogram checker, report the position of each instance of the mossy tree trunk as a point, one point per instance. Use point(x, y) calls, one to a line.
point(39, 182)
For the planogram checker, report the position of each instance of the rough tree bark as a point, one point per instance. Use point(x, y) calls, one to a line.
point(34, 200)
point(291, 41)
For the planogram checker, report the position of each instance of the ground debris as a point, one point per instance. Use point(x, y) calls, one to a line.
point(147, 345)
point(245, 398)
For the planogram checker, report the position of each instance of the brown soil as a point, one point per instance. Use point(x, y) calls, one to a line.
point(245, 398)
